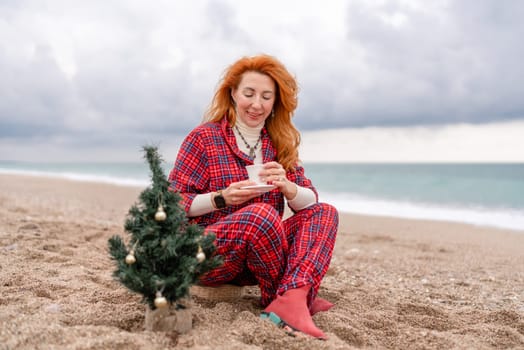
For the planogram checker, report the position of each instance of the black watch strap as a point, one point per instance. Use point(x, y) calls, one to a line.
point(219, 200)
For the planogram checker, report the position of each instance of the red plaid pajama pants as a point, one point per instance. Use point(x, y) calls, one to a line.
point(258, 247)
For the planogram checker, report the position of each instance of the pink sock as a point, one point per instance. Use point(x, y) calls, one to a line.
point(292, 308)
point(320, 304)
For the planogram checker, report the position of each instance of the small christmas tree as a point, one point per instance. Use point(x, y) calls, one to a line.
point(165, 254)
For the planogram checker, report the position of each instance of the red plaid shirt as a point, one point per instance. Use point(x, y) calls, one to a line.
point(209, 160)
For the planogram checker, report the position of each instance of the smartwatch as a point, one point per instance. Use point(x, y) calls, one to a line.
point(219, 200)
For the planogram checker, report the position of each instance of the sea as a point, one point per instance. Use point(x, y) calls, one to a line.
point(480, 194)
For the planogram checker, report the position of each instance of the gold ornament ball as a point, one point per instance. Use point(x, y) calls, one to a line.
point(201, 257)
point(160, 302)
point(130, 259)
point(160, 215)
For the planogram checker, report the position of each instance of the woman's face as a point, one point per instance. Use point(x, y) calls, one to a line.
point(254, 98)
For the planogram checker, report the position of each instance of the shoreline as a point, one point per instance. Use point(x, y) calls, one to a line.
point(395, 283)
point(423, 212)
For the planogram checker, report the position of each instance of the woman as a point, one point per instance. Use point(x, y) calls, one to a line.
point(249, 121)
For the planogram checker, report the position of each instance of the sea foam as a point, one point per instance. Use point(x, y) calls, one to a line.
point(501, 218)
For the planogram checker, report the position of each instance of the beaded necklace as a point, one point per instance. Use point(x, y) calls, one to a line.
point(251, 149)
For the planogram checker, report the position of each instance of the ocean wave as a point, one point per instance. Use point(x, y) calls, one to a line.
point(96, 178)
point(507, 218)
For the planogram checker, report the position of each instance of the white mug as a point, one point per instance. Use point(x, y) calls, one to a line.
point(253, 172)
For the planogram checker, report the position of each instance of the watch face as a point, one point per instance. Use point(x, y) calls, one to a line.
point(220, 202)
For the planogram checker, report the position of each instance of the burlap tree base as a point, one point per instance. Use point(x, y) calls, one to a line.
point(169, 318)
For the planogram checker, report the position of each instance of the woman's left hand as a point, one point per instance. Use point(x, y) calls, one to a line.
point(275, 174)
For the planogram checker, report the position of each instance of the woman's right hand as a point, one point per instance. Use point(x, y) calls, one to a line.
point(235, 195)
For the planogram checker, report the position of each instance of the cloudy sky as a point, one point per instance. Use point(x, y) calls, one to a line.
point(94, 80)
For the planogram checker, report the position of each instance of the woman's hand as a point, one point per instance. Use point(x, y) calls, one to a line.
point(275, 174)
point(235, 195)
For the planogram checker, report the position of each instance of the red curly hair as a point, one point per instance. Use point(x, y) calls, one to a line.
point(284, 135)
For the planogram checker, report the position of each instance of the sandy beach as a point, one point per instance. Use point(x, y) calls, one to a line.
point(396, 283)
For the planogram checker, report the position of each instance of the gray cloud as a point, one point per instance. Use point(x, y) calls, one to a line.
point(402, 65)
point(35, 96)
point(120, 73)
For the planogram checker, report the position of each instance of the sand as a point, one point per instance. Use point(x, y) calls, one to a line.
point(396, 284)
